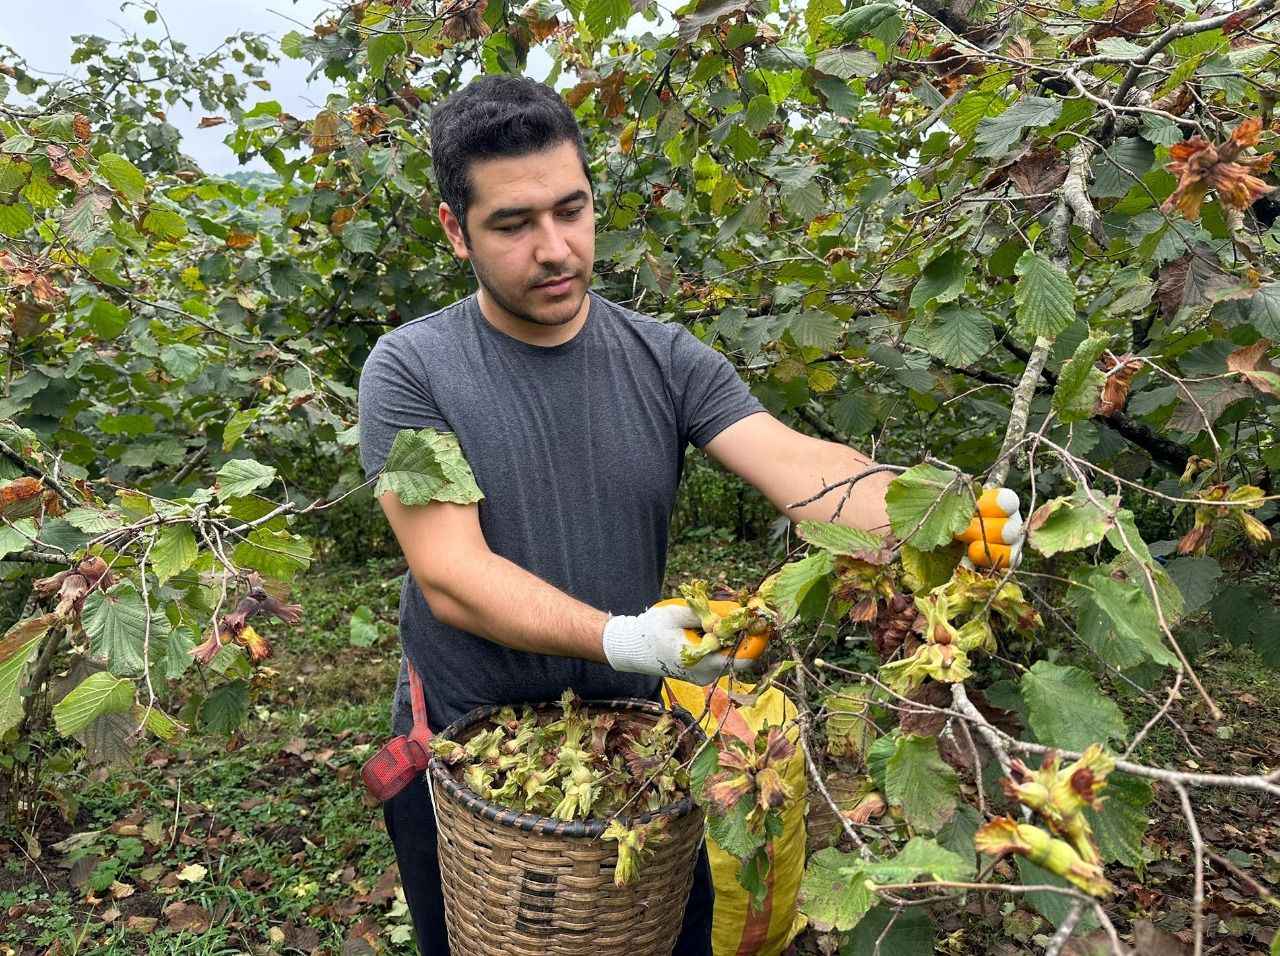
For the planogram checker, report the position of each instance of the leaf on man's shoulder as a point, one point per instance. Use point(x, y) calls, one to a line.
point(427, 465)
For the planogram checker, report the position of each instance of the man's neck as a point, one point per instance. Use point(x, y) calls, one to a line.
point(532, 333)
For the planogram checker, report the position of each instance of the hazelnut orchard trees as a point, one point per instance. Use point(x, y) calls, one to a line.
point(1035, 240)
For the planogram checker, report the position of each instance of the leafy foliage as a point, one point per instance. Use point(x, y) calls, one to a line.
point(880, 216)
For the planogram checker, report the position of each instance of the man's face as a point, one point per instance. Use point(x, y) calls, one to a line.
point(531, 229)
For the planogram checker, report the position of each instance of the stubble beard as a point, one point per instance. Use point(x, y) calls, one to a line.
point(518, 310)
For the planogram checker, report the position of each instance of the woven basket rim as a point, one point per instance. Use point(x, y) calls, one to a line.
point(533, 822)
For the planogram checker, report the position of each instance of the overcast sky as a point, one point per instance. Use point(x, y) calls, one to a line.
point(41, 30)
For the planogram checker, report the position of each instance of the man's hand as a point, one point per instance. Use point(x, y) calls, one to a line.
point(650, 643)
point(995, 534)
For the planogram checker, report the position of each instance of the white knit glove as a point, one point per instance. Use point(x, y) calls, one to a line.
point(650, 643)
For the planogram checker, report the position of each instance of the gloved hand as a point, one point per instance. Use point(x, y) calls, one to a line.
point(650, 643)
point(995, 534)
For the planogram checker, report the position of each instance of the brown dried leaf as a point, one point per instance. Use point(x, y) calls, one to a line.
point(1191, 280)
point(21, 497)
point(237, 239)
point(1188, 418)
point(340, 218)
point(82, 127)
point(1038, 172)
point(207, 121)
point(367, 120)
point(1127, 20)
point(1201, 166)
point(1120, 374)
point(1252, 362)
point(324, 132)
point(186, 916)
point(58, 159)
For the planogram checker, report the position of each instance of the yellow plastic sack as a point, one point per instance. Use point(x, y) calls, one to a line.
point(737, 929)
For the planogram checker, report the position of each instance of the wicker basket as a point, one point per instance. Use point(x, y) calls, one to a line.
point(519, 884)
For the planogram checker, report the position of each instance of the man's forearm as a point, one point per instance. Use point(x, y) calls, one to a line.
point(493, 598)
point(829, 462)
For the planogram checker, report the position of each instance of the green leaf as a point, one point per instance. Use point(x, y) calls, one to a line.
point(847, 62)
point(925, 570)
point(15, 220)
point(837, 538)
point(224, 710)
point(868, 18)
point(761, 111)
point(957, 835)
point(425, 466)
point(237, 425)
point(123, 176)
point(814, 329)
point(243, 476)
point(997, 135)
point(1080, 381)
point(1045, 296)
point(17, 536)
point(1052, 906)
point(1122, 821)
point(363, 628)
point(174, 551)
point(291, 44)
point(184, 362)
point(178, 644)
point(116, 623)
point(834, 893)
point(731, 832)
point(1066, 708)
point(955, 334)
point(943, 279)
point(98, 694)
point(382, 47)
point(158, 722)
point(1071, 523)
point(1120, 168)
point(928, 506)
point(602, 17)
point(904, 932)
point(107, 319)
point(93, 521)
point(918, 780)
point(921, 856)
point(277, 554)
point(17, 648)
point(361, 235)
point(1132, 615)
point(796, 579)
point(165, 223)
point(1264, 310)
point(1196, 578)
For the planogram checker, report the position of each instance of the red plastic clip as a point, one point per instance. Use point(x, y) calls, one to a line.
point(394, 766)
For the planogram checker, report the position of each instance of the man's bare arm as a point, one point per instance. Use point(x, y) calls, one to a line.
point(788, 466)
point(469, 587)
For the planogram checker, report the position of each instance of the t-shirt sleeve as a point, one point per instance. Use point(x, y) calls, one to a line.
point(710, 395)
point(394, 394)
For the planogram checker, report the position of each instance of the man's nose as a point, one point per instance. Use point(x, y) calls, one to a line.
point(551, 246)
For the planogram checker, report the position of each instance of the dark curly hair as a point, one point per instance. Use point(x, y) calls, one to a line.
point(495, 116)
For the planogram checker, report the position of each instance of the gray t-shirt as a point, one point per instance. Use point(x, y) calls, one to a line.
point(578, 449)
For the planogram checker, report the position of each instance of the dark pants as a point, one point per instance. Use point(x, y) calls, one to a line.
point(412, 827)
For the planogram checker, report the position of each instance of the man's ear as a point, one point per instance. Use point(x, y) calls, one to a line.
point(453, 229)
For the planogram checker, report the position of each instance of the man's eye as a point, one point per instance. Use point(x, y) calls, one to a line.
point(511, 227)
point(572, 213)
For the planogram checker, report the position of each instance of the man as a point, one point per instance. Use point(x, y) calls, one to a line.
point(574, 415)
